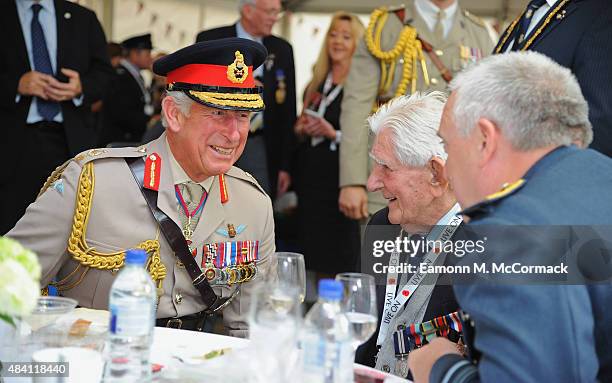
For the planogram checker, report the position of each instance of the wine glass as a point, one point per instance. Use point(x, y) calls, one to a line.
point(275, 318)
point(359, 305)
point(288, 270)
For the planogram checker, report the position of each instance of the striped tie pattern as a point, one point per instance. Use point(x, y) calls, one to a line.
point(42, 63)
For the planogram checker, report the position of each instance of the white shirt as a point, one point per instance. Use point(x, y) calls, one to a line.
point(429, 12)
point(47, 20)
point(242, 33)
point(535, 19)
point(179, 176)
point(135, 72)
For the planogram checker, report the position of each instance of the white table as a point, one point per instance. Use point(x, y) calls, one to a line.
point(175, 351)
point(169, 344)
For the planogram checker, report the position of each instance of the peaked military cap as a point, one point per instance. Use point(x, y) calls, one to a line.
point(138, 42)
point(216, 73)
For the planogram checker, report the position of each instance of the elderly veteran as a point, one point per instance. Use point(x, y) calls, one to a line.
point(419, 46)
point(212, 231)
point(409, 172)
point(520, 140)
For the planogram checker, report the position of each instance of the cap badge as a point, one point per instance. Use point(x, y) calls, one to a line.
point(237, 72)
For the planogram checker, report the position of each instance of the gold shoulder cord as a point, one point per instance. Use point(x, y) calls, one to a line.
point(55, 175)
point(407, 46)
point(510, 30)
point(88, 256)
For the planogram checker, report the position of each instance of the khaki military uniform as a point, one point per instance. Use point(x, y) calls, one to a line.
point(119, 219)
point(467, 40)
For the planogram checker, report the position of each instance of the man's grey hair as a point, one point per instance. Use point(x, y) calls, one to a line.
point(242, 3)
point(414, 121)
point(182, 100)
point(533, 100)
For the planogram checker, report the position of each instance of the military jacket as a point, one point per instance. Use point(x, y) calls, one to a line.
point(119, 219)
point(466, 42)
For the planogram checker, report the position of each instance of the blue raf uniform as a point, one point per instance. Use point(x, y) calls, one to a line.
point(537, 333)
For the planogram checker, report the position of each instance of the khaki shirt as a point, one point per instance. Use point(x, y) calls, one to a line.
point(361, 86)
point(120, 219)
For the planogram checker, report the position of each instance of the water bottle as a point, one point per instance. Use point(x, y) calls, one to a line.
point(326, 340)
point(132, 317)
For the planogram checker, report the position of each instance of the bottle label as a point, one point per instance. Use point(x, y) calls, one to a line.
point(130, 318)
point(326, 361)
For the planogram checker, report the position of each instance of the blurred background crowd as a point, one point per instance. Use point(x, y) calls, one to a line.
point(96, 58)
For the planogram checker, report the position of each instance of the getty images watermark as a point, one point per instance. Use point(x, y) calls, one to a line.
point(492, 254)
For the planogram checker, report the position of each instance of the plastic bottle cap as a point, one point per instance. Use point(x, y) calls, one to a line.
point(135, 257)
point(330, 289)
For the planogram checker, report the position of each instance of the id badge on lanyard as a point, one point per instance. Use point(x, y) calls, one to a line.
point(443, 231)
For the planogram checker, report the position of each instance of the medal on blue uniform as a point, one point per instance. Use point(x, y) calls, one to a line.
point(417, 335)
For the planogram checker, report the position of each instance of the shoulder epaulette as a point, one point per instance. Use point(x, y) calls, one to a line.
point(475, 19)
point(245, 176)
point(506, 190)
point(96, 154)
point(398, 10)
point(55, 175)
point(484, 207)
point(91, 155)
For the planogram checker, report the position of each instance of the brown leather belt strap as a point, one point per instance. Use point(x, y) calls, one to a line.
point(175, 238)
point(427, 47)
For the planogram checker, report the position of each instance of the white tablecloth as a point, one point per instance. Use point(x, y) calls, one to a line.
point(179, 352)
point(171, 344)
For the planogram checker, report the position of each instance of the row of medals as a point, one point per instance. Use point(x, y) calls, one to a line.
point(227, 275)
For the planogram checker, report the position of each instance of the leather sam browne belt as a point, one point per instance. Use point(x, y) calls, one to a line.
point(177, 242)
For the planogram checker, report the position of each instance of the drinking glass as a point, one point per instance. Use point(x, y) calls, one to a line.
point(288, 271)
point(359, 303)
point(274, 322)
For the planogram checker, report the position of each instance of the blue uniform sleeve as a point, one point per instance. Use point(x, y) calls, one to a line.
point(453, 368)
point(533, 331)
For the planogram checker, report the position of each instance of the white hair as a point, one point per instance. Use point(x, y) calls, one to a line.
point(414, 121)
point(242, 3)
point(533, 100)
point(181, 100)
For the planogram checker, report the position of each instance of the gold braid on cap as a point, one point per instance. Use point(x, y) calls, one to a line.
point(87, 256)
point(407, 46)
point(241, 100)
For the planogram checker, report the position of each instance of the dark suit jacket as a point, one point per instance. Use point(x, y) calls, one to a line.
point(123, 113)
point(442, 300)
point(81, 46)
point(279, 118)
point(582, 42)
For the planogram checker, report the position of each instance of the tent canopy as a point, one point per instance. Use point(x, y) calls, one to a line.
point(500, 9)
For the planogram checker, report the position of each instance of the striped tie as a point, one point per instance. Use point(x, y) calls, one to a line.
point(521, 32)
point(42, 63)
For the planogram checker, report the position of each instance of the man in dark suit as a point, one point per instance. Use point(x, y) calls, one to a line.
point(128, 107)
point(53, 65)
point(409, 171)
point(576, 34)
point(269, 148)
point(527, 327)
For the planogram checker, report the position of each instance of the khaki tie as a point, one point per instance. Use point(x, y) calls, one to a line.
point(439, 27)
point(192, 194)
